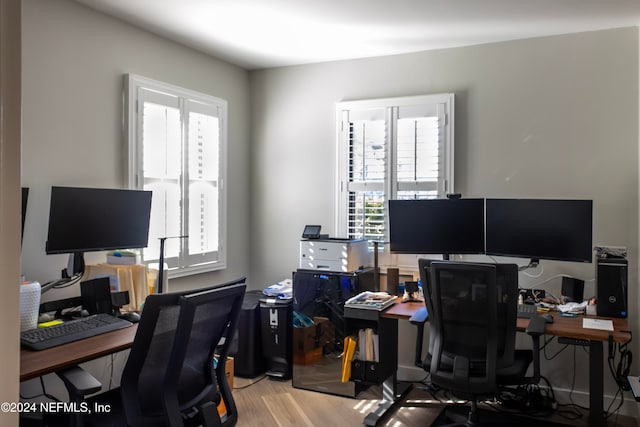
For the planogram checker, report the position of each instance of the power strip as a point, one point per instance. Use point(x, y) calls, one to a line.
point(634, 383)
point(573, 341)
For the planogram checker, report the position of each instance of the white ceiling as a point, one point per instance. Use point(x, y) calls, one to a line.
point(258, 34)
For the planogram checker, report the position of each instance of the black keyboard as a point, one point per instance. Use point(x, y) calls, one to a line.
point(527, 311)
point(71, 330)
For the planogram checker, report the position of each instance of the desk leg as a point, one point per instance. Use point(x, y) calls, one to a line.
point(596, 386)
point(392, 393)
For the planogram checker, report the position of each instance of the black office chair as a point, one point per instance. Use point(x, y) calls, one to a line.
point(169, 378)
point(473, 313)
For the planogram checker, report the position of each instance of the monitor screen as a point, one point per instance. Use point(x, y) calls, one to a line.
point(540, 229)
point(437, 226)
point(95, 219)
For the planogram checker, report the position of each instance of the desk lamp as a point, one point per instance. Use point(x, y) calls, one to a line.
point(161, 261)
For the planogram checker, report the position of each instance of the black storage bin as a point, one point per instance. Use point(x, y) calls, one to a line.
point(321, 296)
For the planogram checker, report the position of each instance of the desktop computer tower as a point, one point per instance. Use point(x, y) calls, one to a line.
point(611, 287)
point(277, 323)
point(249, 360)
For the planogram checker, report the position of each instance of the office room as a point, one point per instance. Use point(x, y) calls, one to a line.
point(538, 117)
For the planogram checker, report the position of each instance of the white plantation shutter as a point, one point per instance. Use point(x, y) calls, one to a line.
point(160, 142)
point(203, 187)
point(367, 171)
point(176, 143)
point(421, 151)
point(399, 148)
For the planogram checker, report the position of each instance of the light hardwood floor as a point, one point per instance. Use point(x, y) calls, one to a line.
point(273, 403)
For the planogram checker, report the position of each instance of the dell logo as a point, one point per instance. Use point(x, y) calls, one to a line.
point(612, 299)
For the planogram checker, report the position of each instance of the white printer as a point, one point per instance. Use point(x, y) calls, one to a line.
point(332, 254)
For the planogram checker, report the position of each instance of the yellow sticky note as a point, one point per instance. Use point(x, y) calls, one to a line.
point(50, 323)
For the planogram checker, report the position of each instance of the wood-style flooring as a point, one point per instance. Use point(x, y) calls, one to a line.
point(274, 403)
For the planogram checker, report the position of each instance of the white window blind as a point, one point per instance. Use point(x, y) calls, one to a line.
point(367, 170)
point(177, 140)
point(400, 148)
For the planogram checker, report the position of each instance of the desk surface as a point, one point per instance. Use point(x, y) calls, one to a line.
point(37, 363)
point(569, 327)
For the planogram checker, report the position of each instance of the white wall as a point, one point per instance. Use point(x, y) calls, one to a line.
point(551, 117)
point(74, 60)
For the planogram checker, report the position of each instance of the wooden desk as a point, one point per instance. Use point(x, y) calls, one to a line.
point(402, 310)
point(34, 364)
point(569, 327)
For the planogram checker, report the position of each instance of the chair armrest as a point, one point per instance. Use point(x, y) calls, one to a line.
point(536, 326)
point(79, 382)
point(418, 319)
point(419, 316)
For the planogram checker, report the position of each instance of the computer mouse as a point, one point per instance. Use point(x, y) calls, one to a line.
point(548, 318)
point(131, 316)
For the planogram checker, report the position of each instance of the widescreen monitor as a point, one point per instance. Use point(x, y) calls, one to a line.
point(96, 219)
point(540, 229)
point(437, 226)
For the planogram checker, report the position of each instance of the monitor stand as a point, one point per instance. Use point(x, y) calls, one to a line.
point(75, 265)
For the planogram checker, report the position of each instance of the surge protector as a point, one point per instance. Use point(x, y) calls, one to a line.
point(634, 383)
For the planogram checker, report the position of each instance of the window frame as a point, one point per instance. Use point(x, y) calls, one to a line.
point(132, 122)
point(391, 185)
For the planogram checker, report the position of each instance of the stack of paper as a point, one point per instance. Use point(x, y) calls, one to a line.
point(603, 324)
point(371, 300)
point(368, 345)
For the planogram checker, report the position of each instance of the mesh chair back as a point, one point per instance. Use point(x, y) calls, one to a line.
point(507, 294)
point(170, 368)
point(464, 323)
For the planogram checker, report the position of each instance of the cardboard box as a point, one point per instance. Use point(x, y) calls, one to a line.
point(307, 357)
point(319, 335)
point(228, 371)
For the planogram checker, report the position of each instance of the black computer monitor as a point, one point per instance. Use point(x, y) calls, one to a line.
point(96, 219)
point(540, 229)
point(437, 226)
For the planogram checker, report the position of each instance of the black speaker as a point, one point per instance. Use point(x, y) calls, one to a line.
point(393, 277)
point(572, 289)
point(96, 295)
point(611, 287)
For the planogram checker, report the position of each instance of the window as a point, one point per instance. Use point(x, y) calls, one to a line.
point(396, 148)
point(176, 145)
